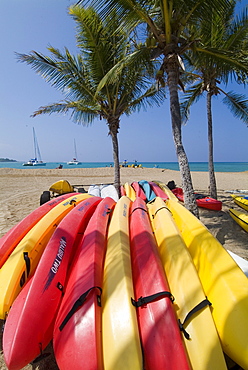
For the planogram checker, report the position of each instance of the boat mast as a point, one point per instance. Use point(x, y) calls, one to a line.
point(75, 149)
point(36, 147)
point(35, 151)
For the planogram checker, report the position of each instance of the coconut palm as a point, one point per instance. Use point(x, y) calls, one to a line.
point(101, 45)
point(167, 23)
point(171, 28)
point(226, 36)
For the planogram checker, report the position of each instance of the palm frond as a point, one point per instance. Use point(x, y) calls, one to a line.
point(79, 112)
point(140, 57)
point(237, 31)
point(238, 105)
point(226, 62)
point(130, 13)
point(105, 78)
point(191, 96)
point(151, 97)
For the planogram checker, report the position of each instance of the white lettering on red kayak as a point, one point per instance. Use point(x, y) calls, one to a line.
point(56, 263)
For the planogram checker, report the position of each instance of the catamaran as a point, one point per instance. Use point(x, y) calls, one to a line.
point(36, 161)
point(74, 160)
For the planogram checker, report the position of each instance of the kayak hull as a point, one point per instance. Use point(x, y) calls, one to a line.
point(77, 331)
point(29, 325)
point(161, 339)
point(224, 283)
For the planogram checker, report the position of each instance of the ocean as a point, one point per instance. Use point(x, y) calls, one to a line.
point(194, 166)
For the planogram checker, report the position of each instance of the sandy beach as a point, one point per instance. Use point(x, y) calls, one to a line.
point(21, 190)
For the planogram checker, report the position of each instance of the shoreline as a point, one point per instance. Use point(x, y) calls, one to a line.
point(194, 166)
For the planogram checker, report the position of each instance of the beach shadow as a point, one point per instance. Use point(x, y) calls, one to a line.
point(224, 228)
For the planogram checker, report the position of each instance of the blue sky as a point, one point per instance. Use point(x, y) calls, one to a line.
point(146, 136)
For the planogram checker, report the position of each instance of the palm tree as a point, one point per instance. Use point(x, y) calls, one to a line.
point(170, 35)
point(226, 36)
point(101, 46)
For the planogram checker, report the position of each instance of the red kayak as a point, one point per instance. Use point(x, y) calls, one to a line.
point(158, 191)
point(138, 190)
point(77, 336)
point(159, 331)
point(29, 325)
point(12, 238)
point(123, 192)
point(201, 200)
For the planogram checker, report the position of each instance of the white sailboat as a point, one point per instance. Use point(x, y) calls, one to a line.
point(74, 160)
point(36, 161)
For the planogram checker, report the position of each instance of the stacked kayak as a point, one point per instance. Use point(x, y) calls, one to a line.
point(192, 308)
point(159, 330)
point(150, 195)
point(241, 201)
point(146, 190)
point(129, 191)
point(31, 319)
point(139, 192)
point(121, 284)
point(10, 240)
point(77, 329)
point(22, 262)
point(169, 194)
point(120, 334)
point(240, 216)
point(224, 283)
point(149, 190)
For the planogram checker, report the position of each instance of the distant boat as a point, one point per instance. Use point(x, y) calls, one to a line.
point(74, 160)
point(36, 161)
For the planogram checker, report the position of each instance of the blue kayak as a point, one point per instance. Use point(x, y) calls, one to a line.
point(150, 195)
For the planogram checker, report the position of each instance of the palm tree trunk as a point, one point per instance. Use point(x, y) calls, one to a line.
point(172, 70)
point(113, 124)
point(212, 180)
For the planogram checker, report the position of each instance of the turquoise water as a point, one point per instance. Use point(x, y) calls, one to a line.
point(194, 166)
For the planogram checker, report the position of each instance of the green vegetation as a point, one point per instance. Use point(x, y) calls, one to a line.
point(173, 34)
point(7, 160)
point(126, 45)
point(226, 35)
point(102, 44)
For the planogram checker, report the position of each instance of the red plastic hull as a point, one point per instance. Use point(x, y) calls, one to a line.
point(123, 192)
point(206, 202)
point(29, 325)
point(158, 191)
point(77, 343)
point(10, 240)
point(160, 336)
point(138, 190)
point(178, 192)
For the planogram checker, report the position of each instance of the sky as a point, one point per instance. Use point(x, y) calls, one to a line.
point(145, 136)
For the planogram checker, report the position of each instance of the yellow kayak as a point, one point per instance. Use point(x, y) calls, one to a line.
point(224, 283)
point(23, 261)
point(130, 192)
point(203, 344)
point(121, 343)
point(240, 217)
point(61, 187)
point(241, 201)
